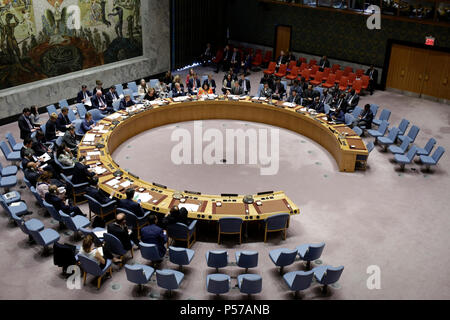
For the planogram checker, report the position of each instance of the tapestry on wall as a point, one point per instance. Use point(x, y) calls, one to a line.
point(40, 39)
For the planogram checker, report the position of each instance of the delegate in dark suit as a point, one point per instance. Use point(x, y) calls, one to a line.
point(373, 78)
point(110, 97)
point(83, 95)
point(81, 173)
point(153, 234)
point(50, 130)
point(59, 204)
point(61, 122)
point(25, 127)
point(98, 195)
point(324, 63)
point(100, 103)
point(126, 104)
point(120, 233)
point(245, 85)
point(342, 104)
point(191, 85)
point(176, 93)
point(131, 206)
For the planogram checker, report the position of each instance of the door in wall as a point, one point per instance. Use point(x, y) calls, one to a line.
point(419, 70)
point(282, 39)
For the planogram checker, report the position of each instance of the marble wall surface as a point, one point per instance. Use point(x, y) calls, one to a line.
point(155, 20)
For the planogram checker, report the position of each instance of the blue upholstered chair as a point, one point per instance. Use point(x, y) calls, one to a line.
point(181, 256)
point(370, 146)
point(78, 131)
point(63, 103)
point(402, 149)
point(406, 159)
point(249, 283)
point(53, 213)
point(51, 109)
point(96, 115)
point(169, 279)
point(81, 110)
point(374, 108)
point(310, 252)
point(384, 116)
point(283, 257)
point(327, 275)
point(380, 132)
point(390, 139)
point(74, 223)
point(412, 134)
point(116, 105)
point(358, 131)
point(18, 208)
point(433, 160)
point(260, 87)
point(134, 222)
point(66, 170)
point(326, 108)
point(230, 225)
point(119, 89)
point(101, 210)
point(218, 283)
point(92, 267)
point(98, 240)
point(298, 280)
point(247, 259)
point(45, 237)
point(150, 252)
point(402, 126)
point(115, 246)
point(7, 182)
point(15, 146)
point(8, 171)
point(427, 149)
point(9, 155)
point(133, 87)
point(13, 196)
point(154, 82)
point(181, 232)
point(278, 222)
point(356, 112)
point(217, 259)
point(139, 274)
point(32, 225)
point(349, 118)
point(27, 183)
point(75, 190)
point(39, 200)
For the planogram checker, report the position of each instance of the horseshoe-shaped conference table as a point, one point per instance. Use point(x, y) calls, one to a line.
point(98, 145)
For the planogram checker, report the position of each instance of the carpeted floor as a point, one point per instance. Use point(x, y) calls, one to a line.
point(395, 220)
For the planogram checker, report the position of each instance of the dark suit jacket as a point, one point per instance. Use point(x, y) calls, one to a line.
point(368, 118)
point(175, 93)
point(153, 234)
point(109, 98)
point(237, 57)
point(98, 195)
point(80, 96)
point(39, 148)
point(85, 126)
point(247, 84)
point(374, 74)
point(124, 105)
point(31, 176)
point(25, 130)
point(57, 203)
point(340, 117)
point(121, 234)
point(191, 84)
point(281, 90)
point(324, 63)
point(131, 206)
point(61, 122)
point(343, 105)
point(94, 91)
point(81, 173)
point(281, 60)
point(69, 140)
point(50, 130)
point(354, 102)
point(237, 91)
point(297, 99)
point(96, 101)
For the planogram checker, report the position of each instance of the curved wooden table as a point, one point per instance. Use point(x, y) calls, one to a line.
point(121, 126)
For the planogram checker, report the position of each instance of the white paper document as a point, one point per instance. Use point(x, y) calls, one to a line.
point(99, 234)
point(99, 170)
point(114, 116)
point(94, 153)
point(112, 182)
point(289, 104)
point(191, 207)
point(144, 197)
point(89, 137)
point(125, 184)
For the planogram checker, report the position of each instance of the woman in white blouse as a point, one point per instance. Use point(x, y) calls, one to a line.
point(143, 87)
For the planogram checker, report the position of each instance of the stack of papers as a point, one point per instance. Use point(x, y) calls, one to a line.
point(99, 170)
point(180, 99)
point(125, 184)
point(289, 104)
point(45, 157)
point(112, 182)
point(114, 116)
point(94, 153)
point(144, 197)
point(89, 137)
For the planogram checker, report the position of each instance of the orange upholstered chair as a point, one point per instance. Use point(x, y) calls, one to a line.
point(281, 71)
point(317, 78)
point(343, 83)
point(330, 81)
point(271, 68)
